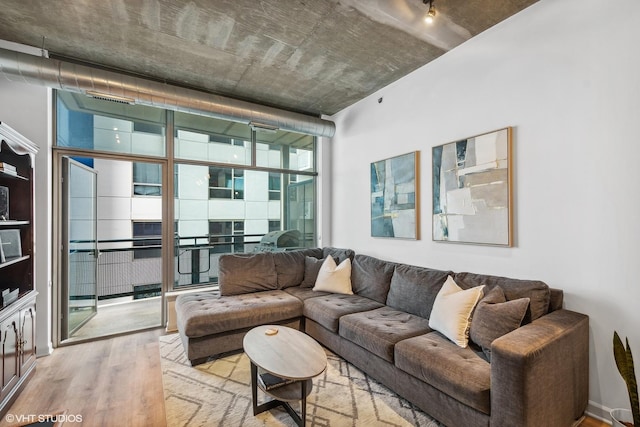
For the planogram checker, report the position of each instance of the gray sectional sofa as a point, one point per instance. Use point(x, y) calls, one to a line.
point(534, 375)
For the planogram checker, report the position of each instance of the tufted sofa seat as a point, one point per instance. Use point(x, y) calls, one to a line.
point(457, 371)
point(327, 310)
point(534, 375)
point(381, 329)
point(207, 314)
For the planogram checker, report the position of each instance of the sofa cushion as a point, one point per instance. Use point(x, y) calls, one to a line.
point(538, 292)
point(207, 313)
point(371, 277)
point(494, 317)
point(338, 254)
point(303, 293)
point(380, 329)
point(414, 289)
point(244, 273)
point(312, 252)
point(456, 371)
point(452, 309)
point(311, 269)
point(289, 268)
point(334, 278)
point(327, 309)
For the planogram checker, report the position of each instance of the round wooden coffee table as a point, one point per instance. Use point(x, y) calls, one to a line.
point(290, 355)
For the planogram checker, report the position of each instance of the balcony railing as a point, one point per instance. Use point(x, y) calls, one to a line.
point(133, 267)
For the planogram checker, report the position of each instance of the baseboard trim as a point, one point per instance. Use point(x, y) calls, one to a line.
point(599, 412)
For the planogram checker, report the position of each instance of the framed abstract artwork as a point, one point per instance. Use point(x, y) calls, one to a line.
point(394, 197)
point(472, 190)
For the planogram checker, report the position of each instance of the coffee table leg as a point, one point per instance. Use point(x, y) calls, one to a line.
point(254, 388)
point(258, 409)
point(300, 420)
point(303, 404)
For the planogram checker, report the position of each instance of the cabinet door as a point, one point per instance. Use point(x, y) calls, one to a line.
point(9, 354)
point(28, 336)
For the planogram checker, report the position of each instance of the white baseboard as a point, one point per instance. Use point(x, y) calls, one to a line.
point(48, 351)
point(599, 412)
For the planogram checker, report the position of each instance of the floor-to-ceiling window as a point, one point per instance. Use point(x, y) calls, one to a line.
point(229, 183)
point(231, 186)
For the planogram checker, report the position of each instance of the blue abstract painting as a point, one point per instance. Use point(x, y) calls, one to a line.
point(394, 197)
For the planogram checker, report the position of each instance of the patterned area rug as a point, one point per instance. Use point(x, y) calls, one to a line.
point(218, 393)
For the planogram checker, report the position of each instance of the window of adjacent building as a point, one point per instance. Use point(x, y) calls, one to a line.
point(147, 237)
point(226, 183)
point(148, 128)
point(147, 179)
point(274, 185)
point(226, 236)
point(274, 226)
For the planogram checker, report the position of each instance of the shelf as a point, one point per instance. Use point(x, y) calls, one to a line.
point(13, 223)
point(290, 392)
point(14, 261)
point(12, 176)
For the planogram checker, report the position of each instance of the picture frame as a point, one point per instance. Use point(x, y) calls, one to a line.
point(10, 245)
point(4, 203)
point(472, 190)
point(395, 197)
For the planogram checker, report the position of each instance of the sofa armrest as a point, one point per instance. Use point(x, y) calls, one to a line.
point(540, 372)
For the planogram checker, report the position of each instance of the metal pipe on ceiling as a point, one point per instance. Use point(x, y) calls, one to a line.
point(67, 76)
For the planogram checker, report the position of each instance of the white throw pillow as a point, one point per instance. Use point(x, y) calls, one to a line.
point(452, 309)
point(334, 278)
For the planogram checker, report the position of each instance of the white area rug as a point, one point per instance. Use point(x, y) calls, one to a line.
point(218, 393)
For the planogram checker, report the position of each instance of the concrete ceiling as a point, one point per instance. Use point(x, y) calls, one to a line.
point(309, 56)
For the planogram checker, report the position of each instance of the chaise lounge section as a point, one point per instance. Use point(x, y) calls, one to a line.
point(535, 373)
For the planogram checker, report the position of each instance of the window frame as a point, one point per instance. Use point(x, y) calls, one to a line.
point(170, 190)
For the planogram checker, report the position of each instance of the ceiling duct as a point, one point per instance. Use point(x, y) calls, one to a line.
point(67, 76)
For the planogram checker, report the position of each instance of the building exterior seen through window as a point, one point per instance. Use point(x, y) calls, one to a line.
point(147, 179)
point(231, 186)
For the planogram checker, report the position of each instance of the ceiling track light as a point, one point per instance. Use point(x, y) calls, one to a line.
point(431, 13)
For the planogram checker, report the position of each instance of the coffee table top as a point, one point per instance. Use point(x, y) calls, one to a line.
point(288, 354)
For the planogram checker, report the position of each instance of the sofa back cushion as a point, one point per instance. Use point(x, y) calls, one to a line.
point(289, 268)
point(371, 277)
point(312, 252)
point(311, 269)
point(338, 254)
point(413, 289)
point(244, 273)
point(538, 292)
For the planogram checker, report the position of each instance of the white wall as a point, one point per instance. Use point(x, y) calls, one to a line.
point(26, 109)
point(566, 75)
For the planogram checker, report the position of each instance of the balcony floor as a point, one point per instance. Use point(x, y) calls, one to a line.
point(120, 317)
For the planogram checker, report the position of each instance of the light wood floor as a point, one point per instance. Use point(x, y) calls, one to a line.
point(591, 422)
point(111, 382)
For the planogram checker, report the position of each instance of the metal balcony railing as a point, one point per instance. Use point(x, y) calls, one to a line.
point(133, 267)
